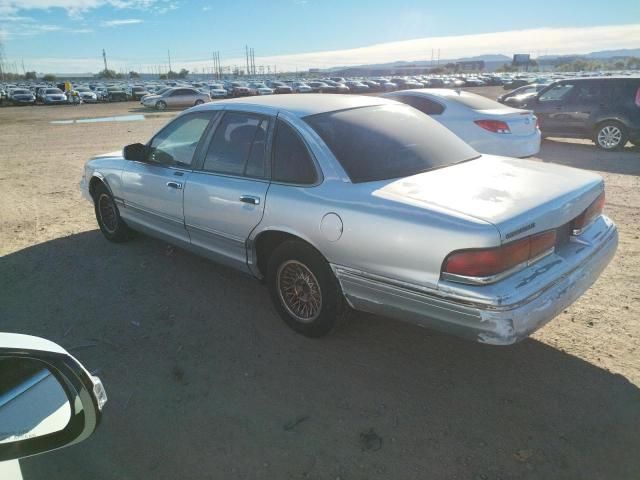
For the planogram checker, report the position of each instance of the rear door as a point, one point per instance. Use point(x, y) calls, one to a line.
point(225, 197)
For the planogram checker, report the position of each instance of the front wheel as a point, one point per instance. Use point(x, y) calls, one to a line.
point(108, 216)
point(199, 102)
point(304, 290)
point(610, 136)
point(161, 105)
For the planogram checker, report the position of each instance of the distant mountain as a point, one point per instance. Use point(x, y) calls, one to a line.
point(625, 52)
point(485, 58)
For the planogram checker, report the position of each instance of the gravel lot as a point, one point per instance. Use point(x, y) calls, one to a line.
point(205, 381)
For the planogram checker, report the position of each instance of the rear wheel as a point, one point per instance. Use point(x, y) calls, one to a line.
point(199, 102)
point(610, 136)
point(161, 105)
point(303, 289)
point(108, 216)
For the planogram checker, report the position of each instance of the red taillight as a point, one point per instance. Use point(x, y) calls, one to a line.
point(495, 126)
point(489, 262)
point(585, 218)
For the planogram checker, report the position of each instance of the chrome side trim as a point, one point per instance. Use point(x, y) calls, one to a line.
point(217, 233)
point(128, 205)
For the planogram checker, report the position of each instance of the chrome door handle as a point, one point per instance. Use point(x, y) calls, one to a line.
point(176, 185)
point(250, 199)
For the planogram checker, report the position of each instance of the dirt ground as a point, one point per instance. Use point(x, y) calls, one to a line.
point(206, 382)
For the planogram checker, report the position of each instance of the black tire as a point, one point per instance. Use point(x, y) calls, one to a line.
point(610, 136)
point(199, 102)
point(108, 216)
point(292, 255)
point(161, 105)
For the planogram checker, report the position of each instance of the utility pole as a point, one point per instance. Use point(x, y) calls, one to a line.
point(246, 55)
point(104, 59)
point(253, 62)
point(169, 57)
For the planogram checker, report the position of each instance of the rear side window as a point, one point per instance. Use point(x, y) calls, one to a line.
point(587, 92)
point(292, 162)
point(475, 102)
point(425, 105)
point(238, 146)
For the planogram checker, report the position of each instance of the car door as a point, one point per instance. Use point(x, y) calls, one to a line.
point(153, 190)
point(175, 98)
point(225, 197)
point(583, 102)
point(552, 109)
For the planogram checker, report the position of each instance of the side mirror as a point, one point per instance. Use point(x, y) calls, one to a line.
point(48, 400)
point(135, 151)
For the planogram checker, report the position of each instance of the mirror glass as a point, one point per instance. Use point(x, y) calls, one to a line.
point(32, 401)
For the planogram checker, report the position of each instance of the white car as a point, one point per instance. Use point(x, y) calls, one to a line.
point(301, 87)
point(260, 89)
point(87, 95)
point(486, 125)
point(48, 400)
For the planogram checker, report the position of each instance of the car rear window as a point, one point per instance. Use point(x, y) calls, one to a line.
point(388, 141)
point(476, 102)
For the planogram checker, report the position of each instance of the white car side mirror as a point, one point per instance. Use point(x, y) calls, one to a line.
point(48, 400)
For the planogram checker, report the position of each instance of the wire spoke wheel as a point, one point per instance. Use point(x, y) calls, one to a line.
point(108, 213)
point(609, 136)
point(299, 291)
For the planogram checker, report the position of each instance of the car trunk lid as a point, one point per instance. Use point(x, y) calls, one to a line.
point(519, 197)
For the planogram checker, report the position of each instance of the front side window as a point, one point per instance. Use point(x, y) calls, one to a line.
point(238, 146)
point(177, 143)
point(388, 141)
point(292, 162)
point(557, 92)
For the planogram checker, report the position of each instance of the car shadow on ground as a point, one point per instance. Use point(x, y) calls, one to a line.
point(205, 381)
point(589, 157)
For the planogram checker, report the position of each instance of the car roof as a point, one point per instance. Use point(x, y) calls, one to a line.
point(304, 105)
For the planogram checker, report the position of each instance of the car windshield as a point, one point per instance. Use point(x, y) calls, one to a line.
point(21, 92)
point(390, 141)
point(53, 91)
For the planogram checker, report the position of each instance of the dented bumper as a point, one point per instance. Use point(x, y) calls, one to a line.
point(498, 315)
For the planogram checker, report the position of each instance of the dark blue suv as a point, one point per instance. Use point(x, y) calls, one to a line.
point(603, 109)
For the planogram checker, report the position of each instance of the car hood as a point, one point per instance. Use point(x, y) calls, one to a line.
point(151, 97)
point(114, 154)
point(509, 193)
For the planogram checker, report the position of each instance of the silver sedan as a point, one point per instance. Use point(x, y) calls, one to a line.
point(342, 202)
point(177, 97)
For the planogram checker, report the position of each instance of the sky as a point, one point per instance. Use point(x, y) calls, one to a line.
point(68, 35)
